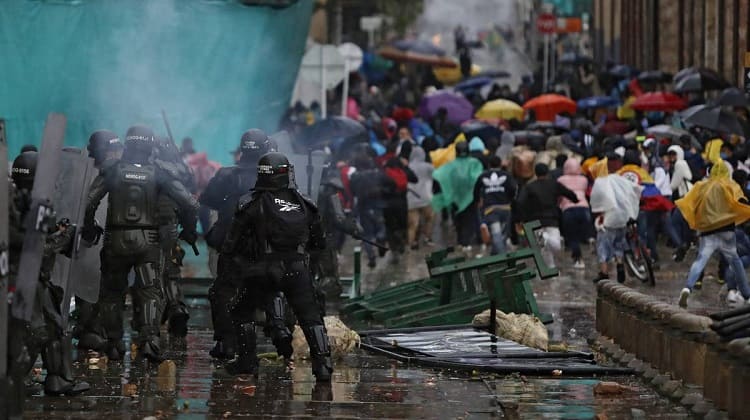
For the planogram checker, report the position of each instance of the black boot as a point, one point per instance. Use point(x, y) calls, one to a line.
point(92, 341)
point(320, 352)
point(58, 359)
point(224, 349)
point(280, 334)
point(247, 360)
point(115, 349)
point(148, 348)
point(177, 312)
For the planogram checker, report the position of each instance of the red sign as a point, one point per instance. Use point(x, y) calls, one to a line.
point(546, 23)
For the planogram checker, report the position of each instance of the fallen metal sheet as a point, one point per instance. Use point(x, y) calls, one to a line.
point(472, 349)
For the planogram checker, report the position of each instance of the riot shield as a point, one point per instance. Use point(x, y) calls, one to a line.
point(36, 221)
point(86, 272)
point(4, 269)
point(308, 168)
point(71, 193)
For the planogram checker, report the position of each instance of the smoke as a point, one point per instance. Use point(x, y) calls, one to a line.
point(441, 17)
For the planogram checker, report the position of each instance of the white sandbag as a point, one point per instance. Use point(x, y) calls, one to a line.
point(521, 328)
point(341, 338)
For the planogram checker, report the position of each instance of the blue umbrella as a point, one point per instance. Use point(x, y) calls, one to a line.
point(417, 46)
point(473, 83)
point(597, 102)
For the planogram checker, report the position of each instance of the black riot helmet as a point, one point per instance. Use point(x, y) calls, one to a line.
point(254, 144)
point(167, 150)
point(139, 143)
point(100, 143)
point(462, 149)
point(274, 172)
point(23, 170)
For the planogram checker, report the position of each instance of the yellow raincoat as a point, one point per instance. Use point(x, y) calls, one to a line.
point(714, 203)
point(440, 157)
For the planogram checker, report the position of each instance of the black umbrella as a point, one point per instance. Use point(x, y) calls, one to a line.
point(698, 80)
point(493, 74)
point(732, 97)
point(340, 129)
point(713, 118)
point(418, 46)
point(654, 76)
point(575, 58)
point(622, 71)
point(480, 129)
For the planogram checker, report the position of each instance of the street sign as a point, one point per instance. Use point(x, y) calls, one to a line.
point(546, 23)
point(323, 64)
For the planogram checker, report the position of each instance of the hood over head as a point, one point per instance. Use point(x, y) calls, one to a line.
point(678, 151)
point(572, 167)
point(476, 145)
point(418, 155)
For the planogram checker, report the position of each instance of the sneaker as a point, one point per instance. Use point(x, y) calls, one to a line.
point(684, 294)
point(601, 276)
point(579, 265)
point(734, 297)
point(467, 248)
point(720, 280)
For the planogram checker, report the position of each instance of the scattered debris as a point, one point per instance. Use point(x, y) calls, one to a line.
point(342, 339)
point(610, 388)
point(557, 372)
point(248, 390)
point(521, 328)
point(166, 379)
point(130, 390)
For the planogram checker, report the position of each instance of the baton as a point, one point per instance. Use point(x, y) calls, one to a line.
point(195, 250)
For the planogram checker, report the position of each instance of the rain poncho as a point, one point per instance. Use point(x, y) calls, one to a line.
point(714, 203)
point(617, 198)
point(457, 179)
point(446, 154)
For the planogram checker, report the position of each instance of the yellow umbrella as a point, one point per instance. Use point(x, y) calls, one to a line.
point(500, 109)
point(451, 76)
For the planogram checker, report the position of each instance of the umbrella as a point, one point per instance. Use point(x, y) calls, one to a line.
point(575, 58)
point(713, 118)
point(495, 74)
point(333, 128)
point(622, 71)
point(546, 126)
point(654, 76)
point(597, 102)
point(659, 101)
point(459, 108)
point(480, 129)
point(732, 97)
point(674, 133)
point(699, 80)
point(500, 109)
point(473, 83)
point(452, 75)
point(418, 46)
point(549, 105)
point(614, 127)
point(401, 56)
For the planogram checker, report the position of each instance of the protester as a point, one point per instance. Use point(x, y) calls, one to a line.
point(419, 198)
point(538, 201)
point(575, 216)
point(494, 193)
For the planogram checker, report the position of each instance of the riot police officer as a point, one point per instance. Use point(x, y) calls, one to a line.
point(273, 230)
point(102, 147)
point(45, 333)
point(222, 194)
point(131, 240)
point(176, 312)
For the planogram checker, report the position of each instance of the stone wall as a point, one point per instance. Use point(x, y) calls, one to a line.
point(676, 342)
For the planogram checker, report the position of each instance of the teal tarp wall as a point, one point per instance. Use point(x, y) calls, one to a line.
point(217, 67)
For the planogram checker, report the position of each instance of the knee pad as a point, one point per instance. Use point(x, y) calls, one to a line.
point(146, 275)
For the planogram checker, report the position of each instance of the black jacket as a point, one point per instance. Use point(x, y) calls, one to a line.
point(538, 201)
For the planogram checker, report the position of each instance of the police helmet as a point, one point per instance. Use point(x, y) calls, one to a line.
point(274, 172)
point(101, 142)
point(23, 170)
point(253, 144)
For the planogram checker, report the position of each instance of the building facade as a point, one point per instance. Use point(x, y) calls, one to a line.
point(673, 34)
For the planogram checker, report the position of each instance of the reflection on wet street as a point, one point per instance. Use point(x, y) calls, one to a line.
point(364, 385)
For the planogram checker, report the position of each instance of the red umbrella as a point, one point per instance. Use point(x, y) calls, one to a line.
point(659, 101)
point(613, 127)
point(402, 114)
point(547, 106)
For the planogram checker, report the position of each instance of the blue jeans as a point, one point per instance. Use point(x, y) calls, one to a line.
point(497, 222)
point(648, 226)
point(575, 223)
point(373, 229)
point(681, 227)
point(729, 274)
point(726, 244)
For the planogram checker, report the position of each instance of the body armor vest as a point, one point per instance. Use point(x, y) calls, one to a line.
point(133, 197)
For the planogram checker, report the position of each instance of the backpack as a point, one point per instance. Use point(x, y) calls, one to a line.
point(399, 178)
point(286, 224)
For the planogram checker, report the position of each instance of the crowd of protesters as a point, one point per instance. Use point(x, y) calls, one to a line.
point(487, 176)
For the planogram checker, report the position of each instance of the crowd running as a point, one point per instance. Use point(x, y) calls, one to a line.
point(664, 156)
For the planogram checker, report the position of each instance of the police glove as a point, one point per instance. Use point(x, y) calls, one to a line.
point(92, 234)
point(189, 236)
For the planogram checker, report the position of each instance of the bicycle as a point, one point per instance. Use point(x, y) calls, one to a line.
point(637, 256)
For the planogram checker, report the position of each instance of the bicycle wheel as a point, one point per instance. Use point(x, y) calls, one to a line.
point(636, 266)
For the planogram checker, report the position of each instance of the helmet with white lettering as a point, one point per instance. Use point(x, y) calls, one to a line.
point(274, 172)
point(139, 143)
point(23, 170)
point(100, 143)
